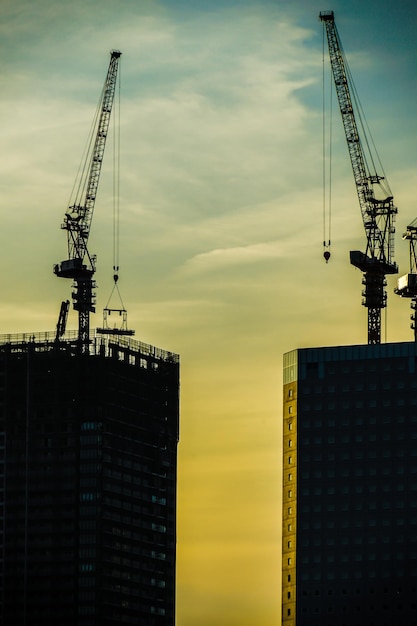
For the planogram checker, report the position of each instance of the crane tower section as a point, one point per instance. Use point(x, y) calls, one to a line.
point(80, 265)
point(375, 199)
point(407, 284)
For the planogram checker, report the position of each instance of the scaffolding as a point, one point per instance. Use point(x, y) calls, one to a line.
point(121, 347)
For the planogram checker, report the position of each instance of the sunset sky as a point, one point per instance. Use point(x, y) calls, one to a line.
point(221, 226)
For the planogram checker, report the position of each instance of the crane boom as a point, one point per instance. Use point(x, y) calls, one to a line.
point(378, 213)
point(80, 265)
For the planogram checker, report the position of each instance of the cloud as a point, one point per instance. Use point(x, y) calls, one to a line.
point(221, 231)
point(222, 257)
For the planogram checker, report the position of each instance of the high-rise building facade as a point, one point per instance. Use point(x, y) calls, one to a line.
point(88, 482)
point(349, 553)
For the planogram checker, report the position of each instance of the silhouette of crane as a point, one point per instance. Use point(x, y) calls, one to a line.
point(80, 264)
point(407, 284)
point(375, 197)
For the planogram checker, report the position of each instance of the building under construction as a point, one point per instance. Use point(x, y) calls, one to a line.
point(88, 479)
point(89, 426)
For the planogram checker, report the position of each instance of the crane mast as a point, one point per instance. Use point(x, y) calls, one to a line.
point(378, 214)
point(80, 265)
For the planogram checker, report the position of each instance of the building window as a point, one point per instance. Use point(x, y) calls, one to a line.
point(87, 567)
point(87, 497)
point(90, 425)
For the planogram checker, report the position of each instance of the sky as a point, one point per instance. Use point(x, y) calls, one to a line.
point(221, 229)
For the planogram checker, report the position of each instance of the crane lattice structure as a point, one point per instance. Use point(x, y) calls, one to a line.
point(80, 265)
point(407, 284)
point(378, 214)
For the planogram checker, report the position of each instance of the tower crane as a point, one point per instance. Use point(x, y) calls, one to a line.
point(407, 284)
point(378, 210)
point(80, 265)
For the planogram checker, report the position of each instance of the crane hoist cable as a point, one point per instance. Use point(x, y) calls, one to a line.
point(116, 183)
point(111, 309)
point(327, 163)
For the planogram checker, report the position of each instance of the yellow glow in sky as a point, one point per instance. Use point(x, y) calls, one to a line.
point(220, 232)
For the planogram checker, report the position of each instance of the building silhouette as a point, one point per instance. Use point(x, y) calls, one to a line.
point(350, 486)
point(88, 482)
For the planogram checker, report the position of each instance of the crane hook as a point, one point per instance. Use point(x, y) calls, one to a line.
point(326, 253)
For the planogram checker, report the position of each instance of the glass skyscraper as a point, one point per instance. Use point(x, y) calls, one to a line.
point(350, 486)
